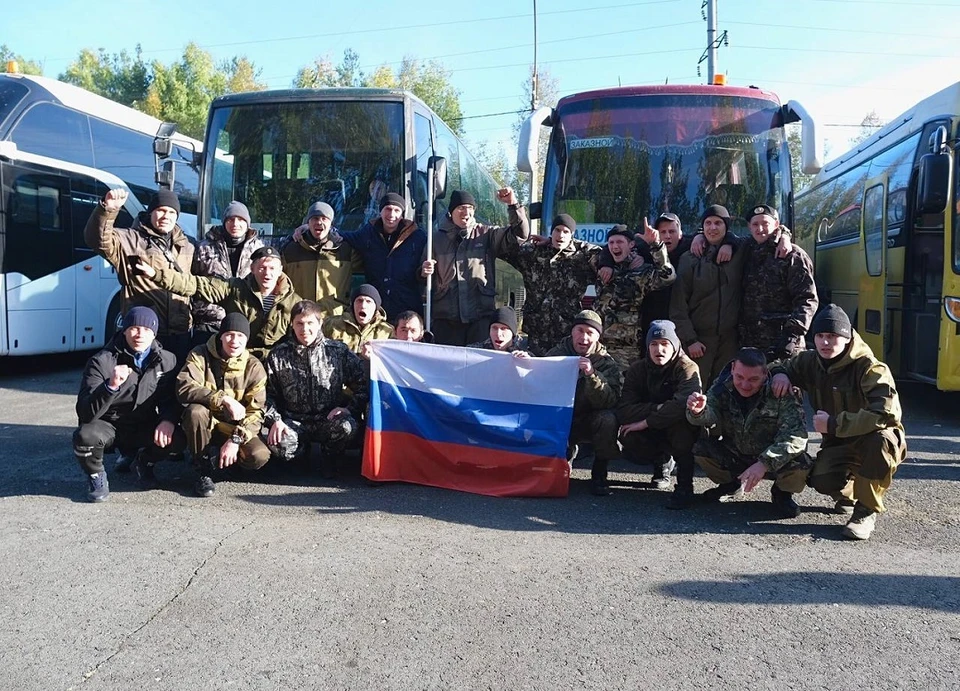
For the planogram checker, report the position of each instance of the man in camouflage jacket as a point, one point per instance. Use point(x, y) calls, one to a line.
point(760, 435)
point(620, 301)
point(307, 378)
point(555, 275)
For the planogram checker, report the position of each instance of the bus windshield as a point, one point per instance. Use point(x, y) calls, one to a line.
point(616, 159)
point(278, 158)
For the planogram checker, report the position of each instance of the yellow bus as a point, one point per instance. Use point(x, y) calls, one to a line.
point(881, 223)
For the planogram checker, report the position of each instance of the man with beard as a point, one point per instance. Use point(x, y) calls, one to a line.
point(620, 301)
point(365, 322)
point(705, 301)
point(225, 252)
point(556, 272)
point(391, 247)
point(651, 412)
point(127, 399)
point(307, 378)
point(319, 264)
point(223, 388)
point(154, 236)
point(464, 267)
point(264, 298)
point(503, 334)
point(858, 414)
point(760, 435)
point(598, 388)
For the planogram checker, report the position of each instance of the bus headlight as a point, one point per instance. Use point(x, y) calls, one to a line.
point(951, 306)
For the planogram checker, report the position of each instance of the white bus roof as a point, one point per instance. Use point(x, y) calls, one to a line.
point(99, 107)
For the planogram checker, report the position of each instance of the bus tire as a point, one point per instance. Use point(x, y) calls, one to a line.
point(114, 319)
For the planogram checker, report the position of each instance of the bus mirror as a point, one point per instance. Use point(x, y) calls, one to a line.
point(165, 177)
point(528, 147)
point(162, 148)
point(197, 160)
point(933, 183)
point(439, 164)
point(535, 210)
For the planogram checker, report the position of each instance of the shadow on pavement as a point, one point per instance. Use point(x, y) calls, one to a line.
point(814, 588)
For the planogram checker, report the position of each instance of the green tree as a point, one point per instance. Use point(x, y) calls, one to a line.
point(119, 77)
point(243, 75)
point(24, 66)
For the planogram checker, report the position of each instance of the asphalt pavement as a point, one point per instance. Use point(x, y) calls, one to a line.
point(285, 581)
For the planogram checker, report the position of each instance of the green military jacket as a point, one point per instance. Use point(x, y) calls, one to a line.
point(705, 300)
point(344, 327)
point(658, 394)
point(322, 273)
point(599, 390)
point(857, 390)
point(773, 430)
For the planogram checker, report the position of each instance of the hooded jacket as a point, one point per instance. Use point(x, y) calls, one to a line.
point(658, 394)
point(856, 389)
point(207, 377)
point(212, 258)
point(322, 272)
point(464, 281)
point(145, 398)
point(174, 251)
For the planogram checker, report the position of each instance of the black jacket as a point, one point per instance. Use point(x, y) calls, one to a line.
point(145, 398)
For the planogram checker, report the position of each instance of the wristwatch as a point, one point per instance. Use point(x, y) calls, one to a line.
point(236, 439)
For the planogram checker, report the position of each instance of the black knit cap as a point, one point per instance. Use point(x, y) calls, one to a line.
point(141, 316)
point(264, 251)
point(718, 211)
point(459, 197)
point(235, 322)
point(590, 318)
point(621, 229)
point(164, 198)
point(663, 329)
point(764, 209)
point(367, 290)
point(392, 199)
point(506, 316)
point(564, 220)
point(832, 320)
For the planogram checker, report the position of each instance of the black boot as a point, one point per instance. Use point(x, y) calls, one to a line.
point(728, 491)
point(599, 487)
point(206, 464)
point(682, 498)
point(783, 503)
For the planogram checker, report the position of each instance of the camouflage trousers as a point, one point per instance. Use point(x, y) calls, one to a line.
point(333, 435)
point(599, 427)
point(859, 469)
point(723, 466)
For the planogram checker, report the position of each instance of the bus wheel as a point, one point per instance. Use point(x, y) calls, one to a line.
point(114, 319)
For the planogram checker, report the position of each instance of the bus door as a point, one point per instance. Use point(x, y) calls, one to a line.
point(37, 262)
point(872, 310)
point(90, 317)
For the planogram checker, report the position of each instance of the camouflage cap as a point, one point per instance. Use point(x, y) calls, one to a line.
point(589, 318)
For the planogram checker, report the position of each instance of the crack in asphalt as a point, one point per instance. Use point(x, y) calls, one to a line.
point(196, 572)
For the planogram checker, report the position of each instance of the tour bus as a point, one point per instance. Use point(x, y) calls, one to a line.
point(56, 294)
point(61, 121)
point(280, 151)
point(881, 223)
point(617, 155)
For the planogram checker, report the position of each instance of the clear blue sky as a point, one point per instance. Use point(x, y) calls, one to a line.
point(839, 58)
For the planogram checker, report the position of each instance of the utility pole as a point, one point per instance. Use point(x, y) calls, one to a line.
point(714, 40)
point(534, 98)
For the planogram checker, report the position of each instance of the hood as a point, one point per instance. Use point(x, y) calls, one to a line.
point(219, 234)
point(856, 349)
point(142, 225)
point(238, 362)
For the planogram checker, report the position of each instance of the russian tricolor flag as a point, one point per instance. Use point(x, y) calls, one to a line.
point(471, 420)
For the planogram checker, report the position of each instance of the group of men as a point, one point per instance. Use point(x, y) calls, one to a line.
point(277, 366)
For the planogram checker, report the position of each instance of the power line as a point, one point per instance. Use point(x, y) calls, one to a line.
point(846, 31)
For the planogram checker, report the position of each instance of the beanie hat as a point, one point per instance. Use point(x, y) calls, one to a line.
point(718, 211)
point(590, 318)
point(367, 290)
point(564, 220)
point(164, 198)
point(238, 210)
point(392, 199)
point(459, 197)
point(832, 320)
point(506, 316)
point(141, 316)
point(764, 209)
point(235, 322)
point(319, 209)
point(663, 329)
point(621, 229)
point(265, 251)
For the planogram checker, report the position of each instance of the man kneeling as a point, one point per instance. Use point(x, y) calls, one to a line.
point(224, 388)
point(307, 378)
point(761, 435)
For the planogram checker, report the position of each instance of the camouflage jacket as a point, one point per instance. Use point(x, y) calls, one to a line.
point(519, 343)
point(305, 383)
point(779, 298)
point(620, 301)
point(773, 430)
point(207, 377)
point(658, 394)
point(857, 390)
point(554, 283)
point(344, 327)
point(599, 390)
point(213, 259)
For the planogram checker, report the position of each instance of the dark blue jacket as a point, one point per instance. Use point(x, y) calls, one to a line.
point(393, 269)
